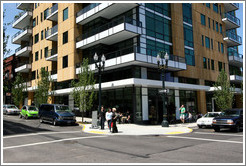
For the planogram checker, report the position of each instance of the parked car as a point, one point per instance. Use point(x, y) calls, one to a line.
point(207, 119)
point(231, 118)
point(10, 109)
point(56, 113)
point(28, 112)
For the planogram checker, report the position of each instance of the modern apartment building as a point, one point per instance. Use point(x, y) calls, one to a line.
point(201, 40)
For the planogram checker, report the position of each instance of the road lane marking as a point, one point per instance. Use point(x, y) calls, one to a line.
point(49, 142)
point(26, 135)
point(203, 139)
point(218, 134)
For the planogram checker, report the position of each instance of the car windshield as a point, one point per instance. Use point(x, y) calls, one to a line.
point(231, 113)
point(211, 115)
point(33, 108)
point(62, 108)
point(12, 107)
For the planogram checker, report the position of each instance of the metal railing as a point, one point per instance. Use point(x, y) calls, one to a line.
point(87, 8)
point(52, 10)
point(21, 14)
point(233, 36)
point(52, 52)
point(235, 4)
point(18, 33)
point(108, 26)
point(135, 49)
point(21, 47)
point(22, 63)
point(51, 31)
point(231, 17)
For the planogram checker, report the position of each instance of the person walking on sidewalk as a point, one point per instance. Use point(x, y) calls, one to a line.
point(109, 118)
point(114, 119)
point(102, 118)
point(182, 111)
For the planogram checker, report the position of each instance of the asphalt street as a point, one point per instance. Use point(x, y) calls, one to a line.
point(29, 141)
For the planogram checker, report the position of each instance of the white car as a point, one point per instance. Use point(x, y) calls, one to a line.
point(207, 119)
point(10, 109)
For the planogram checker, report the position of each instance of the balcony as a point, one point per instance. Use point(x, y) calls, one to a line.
point(53, 75)
point(232, 39)
point(52, 55)
point(112, 32)
point(52, 33)
point(23, 67)
point(105, 10)
point(231, 22)
point(53, 13)
point(24, 6)
point(23, 20)
point(136, 56)
point(23, 35)
point(235, 59)
point(231, 6)
point(236, 78)
point(23, 51)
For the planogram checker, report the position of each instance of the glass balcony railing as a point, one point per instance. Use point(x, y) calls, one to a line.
point(233, 36)
point(22, 63)
point(134, 49)
point(231, 18)
point(18, 33)
point(108, 26)
point(52, 52)
point(20, 15)
point(21, 47)
point(51, 31)
point(87, 8)
point(235, 4)
point(235, 54)
point(52, 10)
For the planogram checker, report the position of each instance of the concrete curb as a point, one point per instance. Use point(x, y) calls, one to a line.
point(138, 130)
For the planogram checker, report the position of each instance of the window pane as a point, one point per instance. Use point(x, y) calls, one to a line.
point(203, 21)
point(65, 14)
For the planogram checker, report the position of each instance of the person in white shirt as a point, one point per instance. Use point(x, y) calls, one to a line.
point(109, 118)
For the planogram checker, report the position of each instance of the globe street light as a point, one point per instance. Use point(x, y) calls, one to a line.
point(163, 67)
point(100, 63)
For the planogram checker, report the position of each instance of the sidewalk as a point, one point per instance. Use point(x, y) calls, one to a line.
point(135, 129)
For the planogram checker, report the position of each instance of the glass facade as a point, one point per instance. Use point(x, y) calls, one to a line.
point(158, 27)
point(188, 36)
point(189, 57)
point(187, 13)
point(154, 47)
point(163, 8)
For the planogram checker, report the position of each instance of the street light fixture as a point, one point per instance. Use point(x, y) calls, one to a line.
point(163, 66)
point(100, 64)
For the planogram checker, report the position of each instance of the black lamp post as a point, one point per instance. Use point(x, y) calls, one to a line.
point(100, 63)
point(163, 67)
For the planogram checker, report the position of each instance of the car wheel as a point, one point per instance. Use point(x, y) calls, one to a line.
point(20, 116)
point(26, 117)
point(237, 128)
point(54, 122)
point(217, 129)
point(199, 126)
point(41, 119)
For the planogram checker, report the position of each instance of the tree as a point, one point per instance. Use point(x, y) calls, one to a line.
point(18, 90)
point(43, 91)
point(5, 38)
point(83, 91)
point(223, 92)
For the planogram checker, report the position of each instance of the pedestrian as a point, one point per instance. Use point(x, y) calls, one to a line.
point(114, 119)
point(182, 115)
point(109, 118)
point(102, 117)
point(189, 117)
point(32, 103)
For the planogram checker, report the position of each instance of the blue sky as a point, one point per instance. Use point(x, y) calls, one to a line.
point(11, 11)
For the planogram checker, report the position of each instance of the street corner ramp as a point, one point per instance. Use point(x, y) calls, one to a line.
point(183, 130)
point(87, 129)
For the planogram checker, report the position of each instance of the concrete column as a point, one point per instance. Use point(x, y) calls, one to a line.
point(177, 103)
point(71, 101)
point(145, 106)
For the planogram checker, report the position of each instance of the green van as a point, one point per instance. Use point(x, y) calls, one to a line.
point(29, 112)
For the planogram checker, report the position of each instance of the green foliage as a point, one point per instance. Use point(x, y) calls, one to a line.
point(18, 90)
point(223, 92)
point(43, 90)
point(83, 91)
